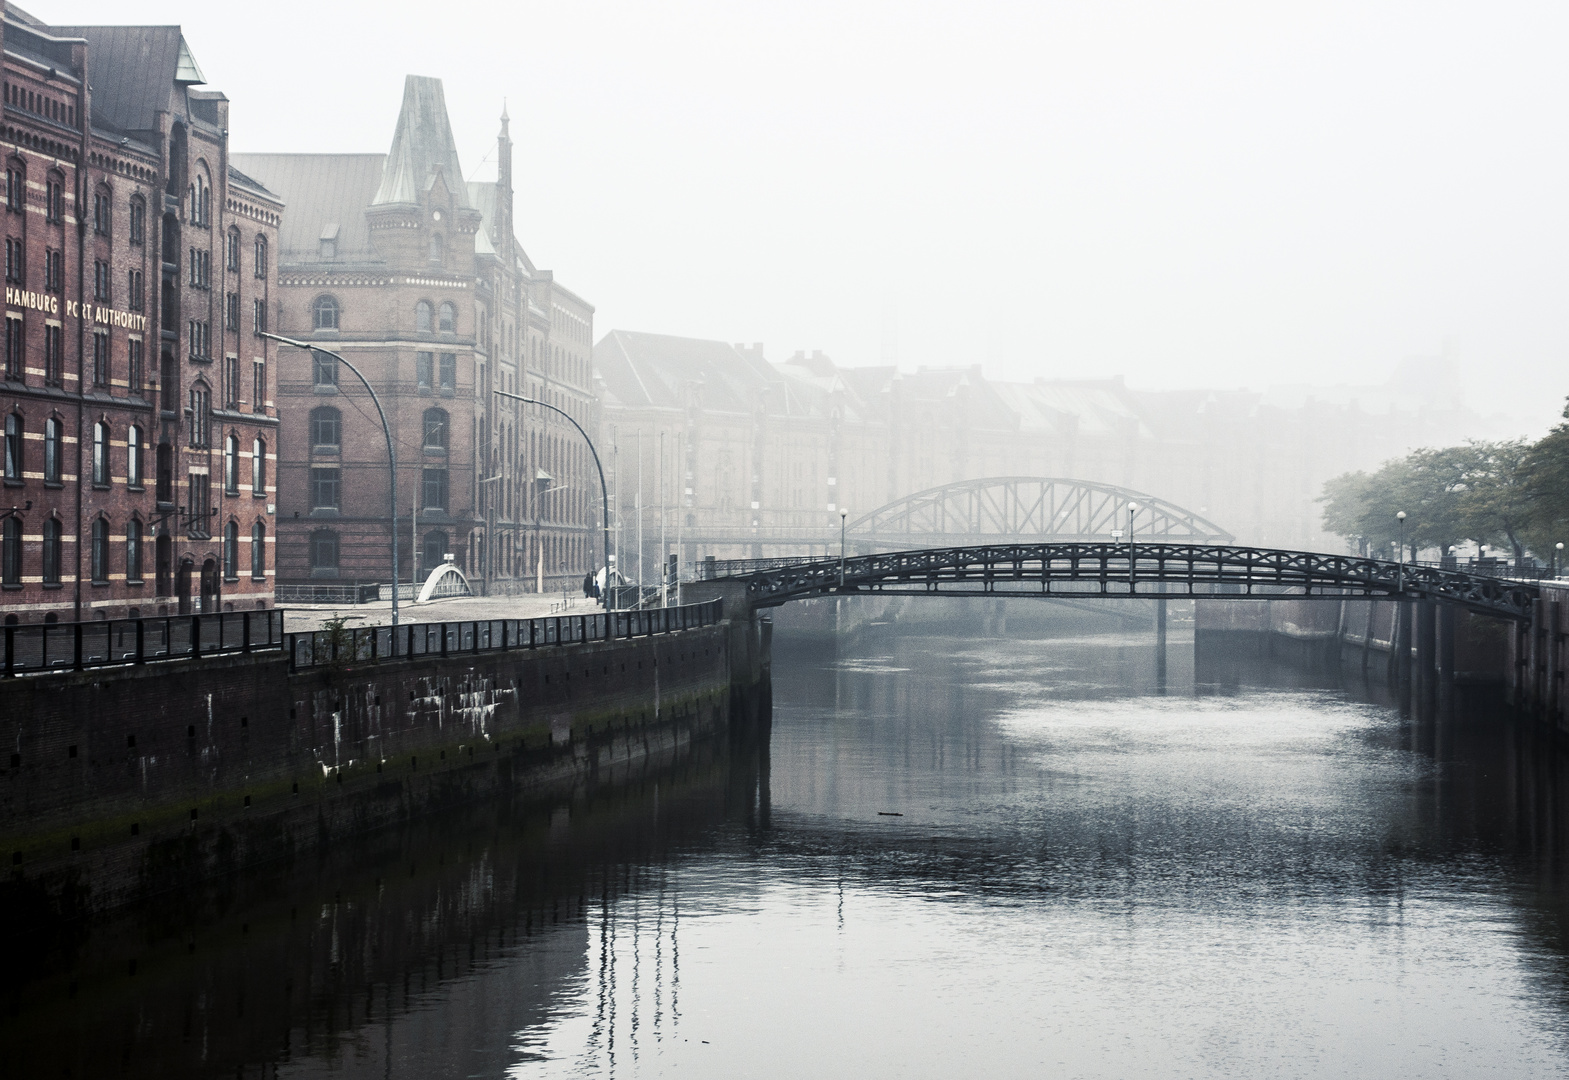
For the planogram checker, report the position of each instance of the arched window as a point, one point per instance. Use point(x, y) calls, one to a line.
point(53, 450)
point(437, 248)
point(436, 425)
point(325, 313)
point(231, 465)
point(231, 551)
point(11, 552)
point(133, 551)
point(201, 416)
point(261, 257)
point(258, 551)
point(201, 197)
point(52, 545)
point(448, 323)
point(258, 467)
point(138, 223)
point(326, 429)
point(231, 251)
point(101, 454)
point(324, 553)
point(100, 557)
point(422, 314)
point(13, 446)
point(133, 457)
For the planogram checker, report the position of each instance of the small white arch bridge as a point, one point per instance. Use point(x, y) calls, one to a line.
point(444, 583)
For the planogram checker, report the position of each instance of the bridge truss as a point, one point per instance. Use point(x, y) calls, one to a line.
point(1144, 570)
point(1001, 508)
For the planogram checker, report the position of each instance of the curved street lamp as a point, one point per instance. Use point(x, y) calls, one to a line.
point(604, 491)
point(843, 514)
point(392, 456)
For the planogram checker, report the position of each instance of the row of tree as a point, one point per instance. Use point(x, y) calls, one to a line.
point(1502, 494)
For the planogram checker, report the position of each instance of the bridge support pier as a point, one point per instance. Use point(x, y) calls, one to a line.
point(1427, 654)
point(1400, 653)
point(1446, 655)
point(1160, 641)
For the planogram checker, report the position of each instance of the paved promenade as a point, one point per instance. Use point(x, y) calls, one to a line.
point(301, 617)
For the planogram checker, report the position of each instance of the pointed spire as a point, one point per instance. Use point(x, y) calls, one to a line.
point(505, 119)
point(422, 147)
point(502, 221)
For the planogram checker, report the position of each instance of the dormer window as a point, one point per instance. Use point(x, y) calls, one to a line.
point(329, 243)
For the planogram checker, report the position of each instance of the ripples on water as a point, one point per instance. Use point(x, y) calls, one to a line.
point(956, 858)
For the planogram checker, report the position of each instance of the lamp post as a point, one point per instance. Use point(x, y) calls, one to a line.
point(604, 491)
point(392, 456)
point(844, 514)
point(1400, 572)
point(1558, 559)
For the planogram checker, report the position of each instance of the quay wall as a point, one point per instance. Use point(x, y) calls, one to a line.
point(1433, 643)
point(127, 782)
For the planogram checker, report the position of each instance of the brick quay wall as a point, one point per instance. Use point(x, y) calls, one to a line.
point(124, 783)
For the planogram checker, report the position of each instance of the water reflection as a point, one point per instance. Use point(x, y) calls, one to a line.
point(953, 857)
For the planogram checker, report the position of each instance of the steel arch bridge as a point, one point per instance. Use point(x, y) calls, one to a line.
point(1001, 508)
point(1144, 570)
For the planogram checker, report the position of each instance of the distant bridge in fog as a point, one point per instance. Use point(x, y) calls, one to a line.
point(986, 511)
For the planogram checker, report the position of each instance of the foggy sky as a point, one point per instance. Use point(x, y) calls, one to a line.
point(1185, 194)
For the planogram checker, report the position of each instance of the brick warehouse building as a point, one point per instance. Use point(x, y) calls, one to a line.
point(136, 398)
point(417, 278)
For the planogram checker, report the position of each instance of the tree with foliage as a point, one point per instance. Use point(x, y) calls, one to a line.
point(1544, 485)
point(1492, 504)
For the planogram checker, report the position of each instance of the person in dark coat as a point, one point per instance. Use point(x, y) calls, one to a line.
point(588, 584)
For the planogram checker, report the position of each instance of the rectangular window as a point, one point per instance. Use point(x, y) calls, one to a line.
point(133, 457)
point(13, 348)
point(259, 315)
point(422, 372)
point(54, 201)
point(435, 489)
point(101, 290)
point(324, 488)
point(54, 356)
point(231, 311)
point(258, 552)
point(54, 270)
point(200, 339)
point(15, 263)
point(133, 288)
point(133, 552)
point(258, 386)
point(231, 252)
point(261, 257)
point(15, 190)
point(449, 371)
point(100, 358)
point(100, 559)
point(134, 372)
point(324, 369)
point(201, 505)
point(101, 215)
point(138, 222)
point(231, 382)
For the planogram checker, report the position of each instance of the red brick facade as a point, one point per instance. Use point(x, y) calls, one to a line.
point(416, 278)
point(135, 392)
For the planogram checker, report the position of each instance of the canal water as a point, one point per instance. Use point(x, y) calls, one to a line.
point(955, 857)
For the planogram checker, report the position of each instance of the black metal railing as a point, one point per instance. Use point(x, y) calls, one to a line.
point(374, 644)
point(75, 646)
point(334, 593)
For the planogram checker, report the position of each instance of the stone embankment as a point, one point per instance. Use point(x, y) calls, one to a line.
point(130, 781)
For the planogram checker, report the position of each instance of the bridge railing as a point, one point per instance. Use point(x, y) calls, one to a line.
point(76, 646)
point(378, 644)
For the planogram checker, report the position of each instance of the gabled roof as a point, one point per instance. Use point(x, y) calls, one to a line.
point(422, 146)
point(133, 70)
point(651, 370)
point(319, 190)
